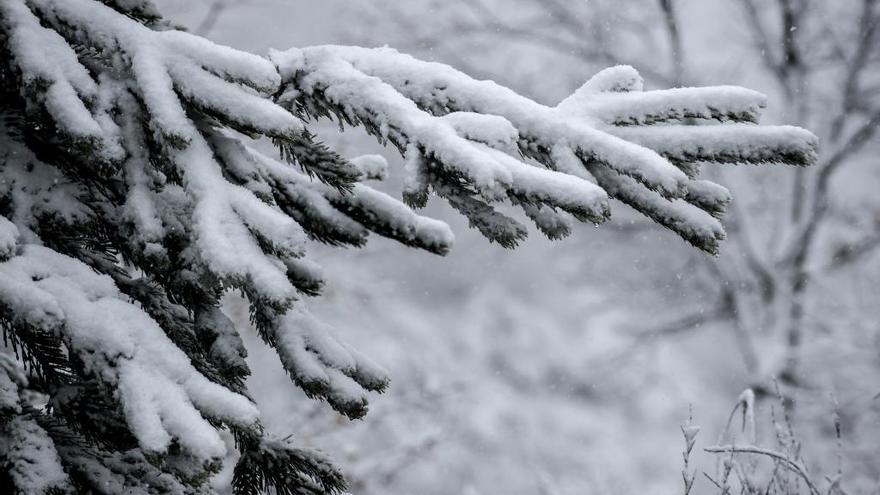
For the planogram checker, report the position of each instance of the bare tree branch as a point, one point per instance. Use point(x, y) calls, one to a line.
point(868, 22)
point(855, 252)
point(209, 21)
point(802, 244)
point(675, 46)
point(762, 39)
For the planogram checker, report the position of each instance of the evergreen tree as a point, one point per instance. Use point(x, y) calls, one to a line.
point(132, 198)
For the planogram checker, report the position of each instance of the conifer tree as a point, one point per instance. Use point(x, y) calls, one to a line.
point(133, 196)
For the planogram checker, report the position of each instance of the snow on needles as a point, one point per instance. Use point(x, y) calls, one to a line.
point(164, 62)
point(643, 148)
point(162, 394)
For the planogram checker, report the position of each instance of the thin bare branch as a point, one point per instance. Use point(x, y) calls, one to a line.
point(675, 46)
point(799, 249)
point(762, 39)
point(868, 22)
point(215, 10)
point(760, 267)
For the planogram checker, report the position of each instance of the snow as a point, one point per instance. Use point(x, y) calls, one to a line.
point(690, 433)
point(126, 472)
point(140, 205)
point(605, 125)
point(12, 380)
point(709, 196)
point(222, 216)
point(369, 207)
point(416, 183)
point(322, 365)
point(617, 79)
point(49, 64)
point(436, 86)
point(35, 189)
point(162, 395)
point(492, 130)
point(577, 196)
point(737, 143)
point(31, 459)
point(691, 223)
point(8, 238)
point(164, 62)
point(250, 217)
point(372, 167)
point(721, 103)
point(393, 219)
point(362, 97)
point(609, 127)
point(227, 342)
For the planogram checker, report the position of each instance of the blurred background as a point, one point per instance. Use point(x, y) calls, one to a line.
point(567, 367)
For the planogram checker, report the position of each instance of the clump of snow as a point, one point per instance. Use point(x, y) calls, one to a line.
point(372, 167)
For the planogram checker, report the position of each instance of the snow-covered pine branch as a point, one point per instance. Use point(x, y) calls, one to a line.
point(643, 148)
point(133, 198)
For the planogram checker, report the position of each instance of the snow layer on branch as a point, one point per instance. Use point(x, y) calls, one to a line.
point(229, 220)
point(325, 367)
point(122, 472)
point(638, 108)
point(213, 77)
point(9, 236)
point(608, 125)
point(222, 214)
point(617, 79)
point(50, 66)
point(140, 206)
point(688, 221)
point(492, 130)
point(391, 218)
point(731, 143)
point(372, 167)
point(34, 190)
point(364, 205)
point(433, 144)
point(322, 366)
point(33, 464)
point(162, 395)
point(583, 199)
point(708, 196)
point(364, 98)
point(12, 381)
point(441, 89)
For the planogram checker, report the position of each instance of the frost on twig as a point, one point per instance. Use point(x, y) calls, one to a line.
point(787, 462)
point(741, 456)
